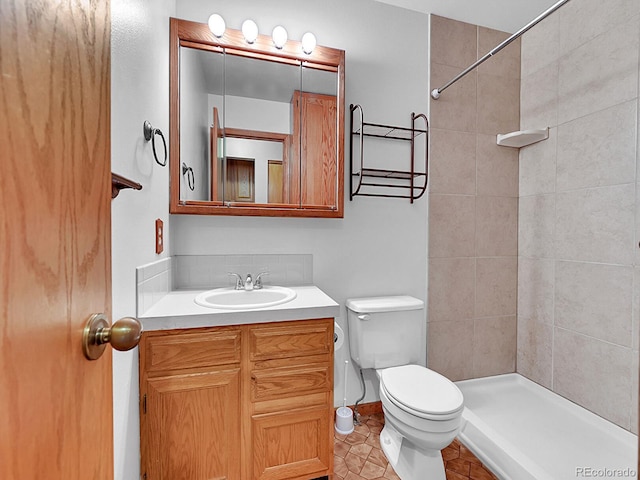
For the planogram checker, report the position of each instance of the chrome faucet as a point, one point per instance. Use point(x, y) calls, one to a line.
point(239, 282)
point(248, 284)
point(257, 284)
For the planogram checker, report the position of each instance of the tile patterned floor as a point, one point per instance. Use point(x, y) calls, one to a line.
point(358, 456)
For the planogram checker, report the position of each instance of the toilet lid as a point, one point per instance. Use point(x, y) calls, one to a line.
point(421, 389)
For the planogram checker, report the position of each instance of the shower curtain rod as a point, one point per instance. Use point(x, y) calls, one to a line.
point(435, 93)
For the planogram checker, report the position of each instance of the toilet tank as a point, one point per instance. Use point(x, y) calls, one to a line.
point(385, 331)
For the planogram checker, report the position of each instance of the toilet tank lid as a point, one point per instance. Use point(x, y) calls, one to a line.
point(384, 304)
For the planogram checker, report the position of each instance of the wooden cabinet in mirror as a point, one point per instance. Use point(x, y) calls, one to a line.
point(261, 128)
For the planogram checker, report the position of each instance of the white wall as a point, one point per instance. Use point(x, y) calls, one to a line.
point(379, 247)
point(256, 114)
point(139, 92)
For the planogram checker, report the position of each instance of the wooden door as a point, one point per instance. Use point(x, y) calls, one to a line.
point(276, 185)
point(55, 242)
point(240, 185)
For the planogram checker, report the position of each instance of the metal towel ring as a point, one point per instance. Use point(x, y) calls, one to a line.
point(150, 134)
point(190, 176)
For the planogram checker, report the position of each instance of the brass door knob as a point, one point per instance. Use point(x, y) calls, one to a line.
point(122, 335)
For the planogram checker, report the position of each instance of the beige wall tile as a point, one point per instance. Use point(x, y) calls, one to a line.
point(539, 98)
point(537, 169)
point(588, 371)
point(456, 109)
point(600, 73)
point(452, 162)
point(452, 225)
point(598, 149)
point(595, 300)
point(635, 315)
point(451, 289)
point(581, 21)
point(497, 168)
point(534, 352)
point(596, 224)
point(633, 414)
point(496, 226)
point(494, 346)
point(636, 243)
point(496, 286)
point(507, 62)
point(536, 224)
point(536, 284)
point(540, 45)
point(453, 43)
point(498, 104)
point(448, 348)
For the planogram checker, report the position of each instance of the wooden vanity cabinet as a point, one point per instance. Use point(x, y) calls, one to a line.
point(240, 402)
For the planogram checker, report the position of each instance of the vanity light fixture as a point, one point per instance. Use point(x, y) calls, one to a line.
point(308, 42)
point(279, 36)
point(217, 25)
point(250, 31)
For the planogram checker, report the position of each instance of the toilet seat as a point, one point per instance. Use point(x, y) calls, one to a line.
point(422, 392)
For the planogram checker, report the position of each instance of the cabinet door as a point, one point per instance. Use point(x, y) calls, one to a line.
point(314, 137)
point(291, 444)
point(319, 160)
point(192, 425)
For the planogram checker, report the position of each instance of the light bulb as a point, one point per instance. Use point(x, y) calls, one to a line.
point(217, 25)
point(279, 36)
point(308, 42)
point(250, 31)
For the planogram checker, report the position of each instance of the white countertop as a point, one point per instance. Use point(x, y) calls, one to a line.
point(178, 310)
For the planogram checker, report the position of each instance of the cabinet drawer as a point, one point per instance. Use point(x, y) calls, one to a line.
point(291, 339)
point(191, 350)
point(287, 382)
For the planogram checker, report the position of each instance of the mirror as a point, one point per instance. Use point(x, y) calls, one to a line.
point(261, 130)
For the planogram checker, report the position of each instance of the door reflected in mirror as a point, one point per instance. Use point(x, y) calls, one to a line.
point(263, 134)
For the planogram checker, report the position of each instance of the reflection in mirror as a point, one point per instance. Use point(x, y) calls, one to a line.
point(201, 78)
point(262, 129)
point(316, 132)
point(258, 121)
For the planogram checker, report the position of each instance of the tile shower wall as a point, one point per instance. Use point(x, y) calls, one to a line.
point(579, 266)
point(473, 204)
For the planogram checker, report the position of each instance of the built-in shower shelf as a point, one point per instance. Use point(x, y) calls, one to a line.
point(522, 138)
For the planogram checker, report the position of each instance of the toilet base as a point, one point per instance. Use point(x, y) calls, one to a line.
point(407, 461)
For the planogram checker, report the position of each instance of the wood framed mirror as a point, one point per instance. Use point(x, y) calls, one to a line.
point(261, 128)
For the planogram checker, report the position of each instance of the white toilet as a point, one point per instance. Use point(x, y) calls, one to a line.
point(422, 408)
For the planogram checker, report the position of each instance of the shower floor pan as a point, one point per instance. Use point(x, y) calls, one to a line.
point(523, 431)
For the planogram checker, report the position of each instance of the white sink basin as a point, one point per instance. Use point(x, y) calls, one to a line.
point(232, 299)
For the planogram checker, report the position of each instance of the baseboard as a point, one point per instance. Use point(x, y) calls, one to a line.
point(368, 408)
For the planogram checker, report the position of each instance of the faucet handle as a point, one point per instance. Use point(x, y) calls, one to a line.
point(258, 281)
point(239, 282)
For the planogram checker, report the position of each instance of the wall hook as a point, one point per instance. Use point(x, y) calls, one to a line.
point(150, 134)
